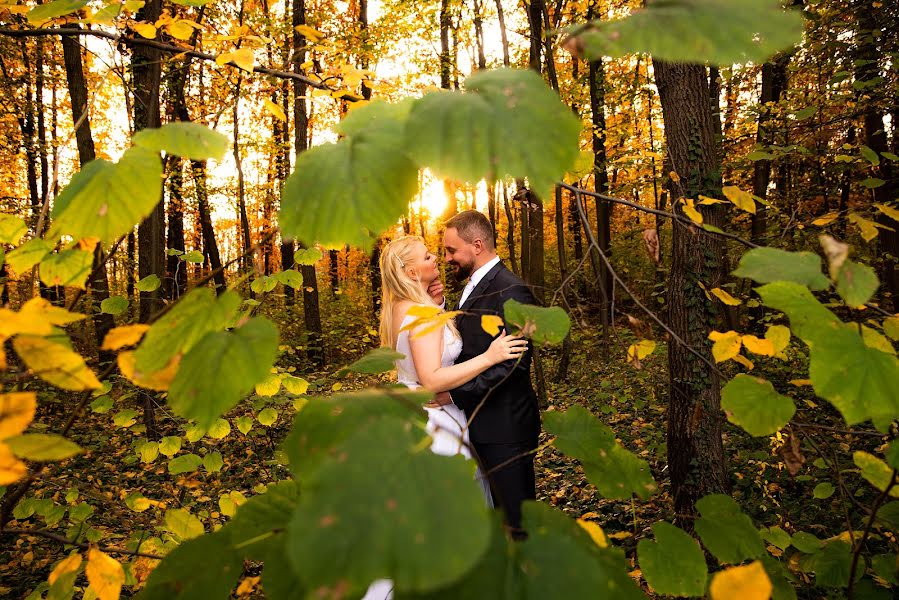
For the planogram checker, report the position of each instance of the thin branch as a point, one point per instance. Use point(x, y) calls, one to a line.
point(858, 550)
point(59, 538)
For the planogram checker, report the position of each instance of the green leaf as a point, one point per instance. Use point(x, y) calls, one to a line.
point(148, 451)
point(823, 491)
point(307, 256)
point(204, 567)
point(184, 464)
point(107, 200)
point(194, 256)
point(244, 424)
point(263, 284)
point(268, 416)
point(125, 418)
point(698, 31)
point(149, 283)
point(101, 405)
point(870, 155)
point(260, 522)
point(190, 140)
point(343, 192)
point(766, 265)
point(875, 471)
point(42, 446)
point(335, 541)
point(860, 381)
point(617, 473)
point(194, 433)
point(892, 454)
point(760, 155)
point(67, 268)
point(777, 536)
point(809, 319)
point(856, 283)
point(889, 514)
point(290, 278)
point(114, 305)
point(488, 131)
point(754, 404)
point(726, 531)
point(872, 182)
point(541, 325)
point(28, 254)
point(805, 113)
point(170, 445)
point(674, 564)
point(213, 462)
point(183, 524)
point(57, 8)
point(11, 229)
point(195, 315)
point(831, 565)
point(884, 566)
point(325, 422)
point(379, 360)
point(240, 359)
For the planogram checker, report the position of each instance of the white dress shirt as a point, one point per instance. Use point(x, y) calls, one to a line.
point(476, 278)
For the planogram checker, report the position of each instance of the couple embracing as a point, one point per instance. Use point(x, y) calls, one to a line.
point(477, 377)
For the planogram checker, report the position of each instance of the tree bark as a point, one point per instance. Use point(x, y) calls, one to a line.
point(695, 451)
point(601, 186)
point(210, 247)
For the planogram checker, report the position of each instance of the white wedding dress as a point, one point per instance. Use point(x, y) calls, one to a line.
point(446, 425)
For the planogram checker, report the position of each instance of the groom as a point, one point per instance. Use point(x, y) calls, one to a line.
point(506, 420)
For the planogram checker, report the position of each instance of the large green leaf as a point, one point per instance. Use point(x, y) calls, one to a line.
point(507, 122)
point(114, 305)
point(856, 283)
point(204, 567)
point(106, 200)
point(831, 565)
point(875, 471)
point(67, 268)
point(195, 315)
point(766, 265)
point(190, 140)
point(221, 369)
point(42, 446)
point(423, 522)
point(717, 31)
point(860, 381)
point(754, 404)
point(28, 254)
point(11, 229)
point(726, 531)
point(541, 325)
point(343, 192)
point(377, 361)
point(616, 473)
point(674, 564)
point(326, 422)
point(809, 319)
point(57, 8)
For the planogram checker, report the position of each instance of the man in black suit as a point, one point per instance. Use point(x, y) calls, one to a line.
point(506, 420)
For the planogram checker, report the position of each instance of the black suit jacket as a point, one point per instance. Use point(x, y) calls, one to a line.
point(510, 413)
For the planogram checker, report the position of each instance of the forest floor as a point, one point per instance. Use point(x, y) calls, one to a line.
point(112, 477)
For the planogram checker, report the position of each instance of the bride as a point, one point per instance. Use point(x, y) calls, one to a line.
point(407, 271)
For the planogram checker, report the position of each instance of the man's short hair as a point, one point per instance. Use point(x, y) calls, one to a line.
point(472, 225)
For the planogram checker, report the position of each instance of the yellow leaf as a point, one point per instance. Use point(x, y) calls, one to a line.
point(69, 564)
point(16, 412)
point(180, 29)
point(749, 582)
point(800, 382)
point(337, 387)
point(491, 324)
point(867, 229)
point(725, 297)
point(640, 350)
point(690, 210)
point(744, 361)
point(726, 345)
point(295, 385)
point(105, 575)
point(423, 311)
point(55, 364)
point(11, 468)
point(742, 200)
point(674, 176)
point(247, 586)
point(756, 346)
point(422, 327)
point(128, 335)
point(276, 110)
point(310, 33)
point(595, 532)
point(159, 381)
point(242, 58)
point(826, 219)
point(35, 318)
point(269, 386)
point(145, 30)
point(620, 535)
point(888, 211)
point(872, 339)
point(705, 200)
point(779, 335)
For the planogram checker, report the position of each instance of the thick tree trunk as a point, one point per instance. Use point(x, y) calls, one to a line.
point(446, 24)
point(311, 314)
point(695, 451)
point(77, 85)
point(601, 186)
point(210, 247)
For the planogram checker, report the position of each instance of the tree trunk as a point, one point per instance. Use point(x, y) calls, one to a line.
point(99, 283)
point(210, 247)
point(695, 451)
point(510, 230)
point(445, 59)
point(311, 315)
point(601, 186)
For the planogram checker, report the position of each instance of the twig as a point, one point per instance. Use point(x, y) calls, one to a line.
point(858, 550)
point(59, 538)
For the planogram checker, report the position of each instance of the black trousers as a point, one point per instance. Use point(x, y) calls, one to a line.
point(510, 471)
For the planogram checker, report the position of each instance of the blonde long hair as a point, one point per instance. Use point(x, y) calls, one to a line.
point(397, 285)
